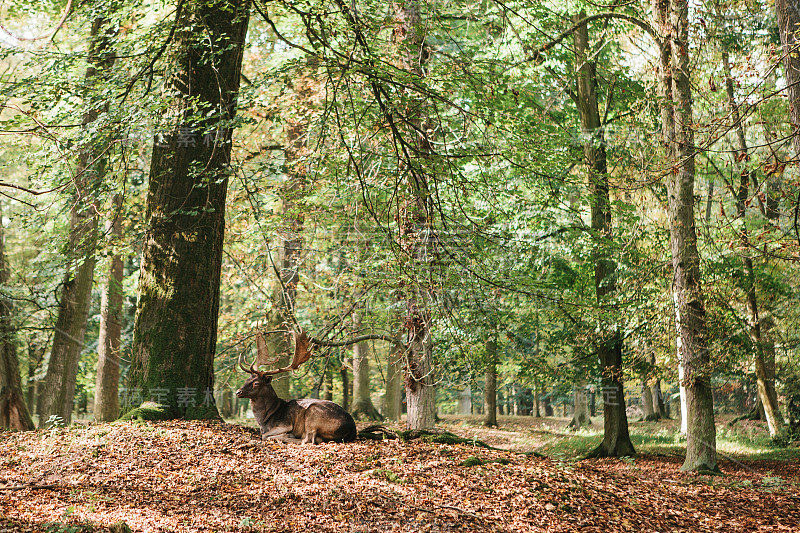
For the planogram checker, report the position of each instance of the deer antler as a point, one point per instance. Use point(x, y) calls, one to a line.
point(302, 353)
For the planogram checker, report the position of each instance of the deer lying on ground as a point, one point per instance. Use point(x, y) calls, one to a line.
point(305, 420)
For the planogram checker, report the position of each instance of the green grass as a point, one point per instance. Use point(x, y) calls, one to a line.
point(654, 438)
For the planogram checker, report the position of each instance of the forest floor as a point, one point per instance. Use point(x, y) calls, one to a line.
point(204, 476)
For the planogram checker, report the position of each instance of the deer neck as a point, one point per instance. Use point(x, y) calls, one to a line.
point(264, 408)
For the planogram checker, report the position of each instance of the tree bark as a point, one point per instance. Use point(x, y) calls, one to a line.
point(345, 373)
point(672, 16)
point(14, 412)
point(175, 330)
point(649, 413)
point(766, 387)
point(362, 402)
point(393, 397)
point(418, 234)
point(465, 400)
point(788, 14)
point(490, 385)
point(58, 390)
point(616, 439)
point(106, 399)
point(659, 406)
point(291, 246)
point(580, 415)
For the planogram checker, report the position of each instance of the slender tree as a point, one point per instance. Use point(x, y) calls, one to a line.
point(175, 330)
point(58, 390)
point(362, 401)
point(678, 137)
point(490, 384)
point(418, 233)
point(106, 396)
point(616, 439)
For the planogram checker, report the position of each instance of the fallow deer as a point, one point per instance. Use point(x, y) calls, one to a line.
point(305, 420)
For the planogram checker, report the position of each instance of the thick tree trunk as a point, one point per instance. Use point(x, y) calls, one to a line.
point(58, 390)
point(616, 439)
point(14, 412)
point(490, 385)
point(106, 398)
point(672, 16)
point(175, 331)
point(363, 407)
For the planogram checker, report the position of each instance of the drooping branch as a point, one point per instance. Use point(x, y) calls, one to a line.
point(356, 340)
point(536, 55)
point(47, 35)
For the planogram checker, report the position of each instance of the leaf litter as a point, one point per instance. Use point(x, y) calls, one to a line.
point(205, 476)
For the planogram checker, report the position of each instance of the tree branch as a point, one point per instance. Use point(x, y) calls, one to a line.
point(536, 55)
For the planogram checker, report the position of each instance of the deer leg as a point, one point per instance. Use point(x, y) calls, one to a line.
point(310, 437)
point(284, 437)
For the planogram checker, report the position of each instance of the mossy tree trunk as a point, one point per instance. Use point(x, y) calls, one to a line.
point(58, 390)
point(616, 439)
point(175, 331)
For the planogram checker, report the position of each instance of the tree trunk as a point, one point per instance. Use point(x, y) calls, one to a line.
point(417, 234)
point(649, 413)
point(580, 416)
point(659, 406)
point(284, 298)
point(36, 356)
point(58, 390)
point(393, 397)
point(616, 439)
point(678, 136)
point(14, 412)
point(345, 373)
point(766, 387)
point(363, 407)
point(490, 385)
point(788, 14)
point(175, 331)
point(328, 391)
point(106, 398)
point(536, 407)
point(465, 400)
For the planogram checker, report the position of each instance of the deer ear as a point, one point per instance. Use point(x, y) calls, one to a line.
point(267, 379)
